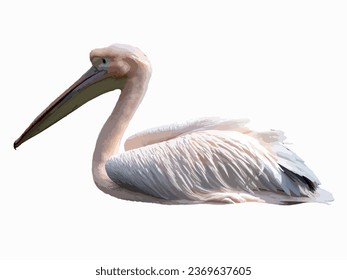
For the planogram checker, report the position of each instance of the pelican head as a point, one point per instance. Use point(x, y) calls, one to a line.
point(111, 68)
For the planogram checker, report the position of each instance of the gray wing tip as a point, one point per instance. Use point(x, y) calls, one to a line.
point(301, 180)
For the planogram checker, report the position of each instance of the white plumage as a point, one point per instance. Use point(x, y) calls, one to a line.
point(212, 160)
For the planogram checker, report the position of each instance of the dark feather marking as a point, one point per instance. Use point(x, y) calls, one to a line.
point(312, 186)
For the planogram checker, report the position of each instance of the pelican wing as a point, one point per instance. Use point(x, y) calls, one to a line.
point(210, 160)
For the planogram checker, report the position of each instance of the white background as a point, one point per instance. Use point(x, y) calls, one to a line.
point(283, 64)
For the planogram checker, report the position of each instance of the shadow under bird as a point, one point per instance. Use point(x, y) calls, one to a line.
point(206, 160)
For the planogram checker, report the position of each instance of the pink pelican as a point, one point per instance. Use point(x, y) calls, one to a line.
point(206, 160)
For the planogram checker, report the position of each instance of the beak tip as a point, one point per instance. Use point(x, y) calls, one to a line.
point(15, 144)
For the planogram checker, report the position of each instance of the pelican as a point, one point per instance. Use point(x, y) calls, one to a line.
point(208, 160)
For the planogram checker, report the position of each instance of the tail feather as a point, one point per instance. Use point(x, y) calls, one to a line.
point(298, 182)
point(319, 195)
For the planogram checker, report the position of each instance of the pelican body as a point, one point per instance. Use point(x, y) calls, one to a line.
point(206, 160)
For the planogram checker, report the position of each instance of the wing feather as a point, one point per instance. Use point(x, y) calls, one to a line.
point(208, 157)
point(167, 132)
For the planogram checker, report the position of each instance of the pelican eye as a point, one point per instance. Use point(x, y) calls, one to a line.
point(100, 62)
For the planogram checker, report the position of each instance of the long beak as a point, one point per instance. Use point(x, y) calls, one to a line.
point(92, 84)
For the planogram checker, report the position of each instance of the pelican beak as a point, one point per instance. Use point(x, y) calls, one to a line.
point(92, 84)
